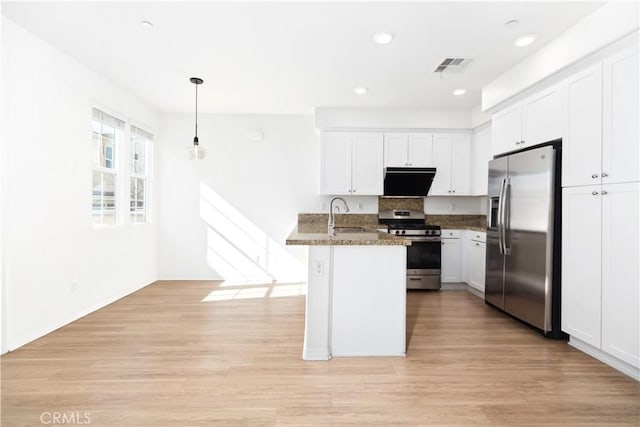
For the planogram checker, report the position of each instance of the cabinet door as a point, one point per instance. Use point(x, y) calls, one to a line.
point(477, 252)
point(461, 165)
point(451, 261)
point(621, 272)
point(542, 118)
point(421, 150)
point(441, 185)
point(336, 163)
point(480, 155)
point(395, 149)
point(367, 176)
point(506, 127)
point(620, 146)
point(581, 263)
point(582, 145)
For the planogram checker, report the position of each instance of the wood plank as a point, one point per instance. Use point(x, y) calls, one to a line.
point(167, 356)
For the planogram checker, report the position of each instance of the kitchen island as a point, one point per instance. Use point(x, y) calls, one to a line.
point(356, 296)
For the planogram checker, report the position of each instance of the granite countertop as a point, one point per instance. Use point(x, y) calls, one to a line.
point(312, 234)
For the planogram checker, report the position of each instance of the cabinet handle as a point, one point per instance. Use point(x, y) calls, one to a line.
point(604, 174)
point(453, 191)
point(595, 193)
point(477, 244)
point(594, 176)
point(353, 191)
point(604, 193)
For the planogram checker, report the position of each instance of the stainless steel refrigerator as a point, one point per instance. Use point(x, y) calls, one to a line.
point(523, 237)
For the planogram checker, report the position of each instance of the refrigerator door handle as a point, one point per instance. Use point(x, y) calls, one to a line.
point(506, 214)
point(500, 217)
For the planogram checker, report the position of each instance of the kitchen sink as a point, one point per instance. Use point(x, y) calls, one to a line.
point(354, 230)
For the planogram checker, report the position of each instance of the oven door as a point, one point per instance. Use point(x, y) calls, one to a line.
point(423, 256)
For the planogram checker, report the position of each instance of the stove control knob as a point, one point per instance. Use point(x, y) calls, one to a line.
point(404, 231)
point(397, 231)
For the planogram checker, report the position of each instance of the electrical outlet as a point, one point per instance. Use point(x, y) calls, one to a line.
point(323, 207)
point(360, 206)
point(318, 268)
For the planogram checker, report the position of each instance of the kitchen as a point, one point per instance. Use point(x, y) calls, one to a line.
point(264, 170)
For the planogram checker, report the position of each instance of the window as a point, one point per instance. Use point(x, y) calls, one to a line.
point(139, 181)
point(107, 133)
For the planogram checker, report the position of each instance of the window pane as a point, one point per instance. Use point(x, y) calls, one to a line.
point(137, 204)
point(103, 198)
point(139, 155)
point(104, 144)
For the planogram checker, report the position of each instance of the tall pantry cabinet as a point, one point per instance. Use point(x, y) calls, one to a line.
point(601, 211)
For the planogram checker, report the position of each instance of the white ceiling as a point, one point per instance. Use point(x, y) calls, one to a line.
point(289, 57)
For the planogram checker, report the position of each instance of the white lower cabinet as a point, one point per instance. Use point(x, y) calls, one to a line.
point(600, 269)
point(476, 253)
point(451, 258)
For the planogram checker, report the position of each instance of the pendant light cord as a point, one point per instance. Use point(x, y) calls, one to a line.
point(196, 138)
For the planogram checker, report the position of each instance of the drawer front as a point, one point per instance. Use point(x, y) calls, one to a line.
point(477, 236)
point(451, 234)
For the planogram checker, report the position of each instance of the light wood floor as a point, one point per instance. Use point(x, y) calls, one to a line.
point(162, 357)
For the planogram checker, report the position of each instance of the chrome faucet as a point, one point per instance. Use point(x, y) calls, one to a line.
point(331, 226)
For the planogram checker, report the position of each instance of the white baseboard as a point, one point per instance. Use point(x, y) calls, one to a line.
point(318, 354)
point(605, 358)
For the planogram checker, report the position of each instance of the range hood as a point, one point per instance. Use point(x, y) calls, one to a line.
point(408, 182)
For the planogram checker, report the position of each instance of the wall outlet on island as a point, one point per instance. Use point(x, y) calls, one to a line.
point(452, 206)
point(360, 206)
point(318, 268)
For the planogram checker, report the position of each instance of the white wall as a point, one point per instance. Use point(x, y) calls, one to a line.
point(607, 24)
point(49, 241)
point(244, 197)
point(382, 118)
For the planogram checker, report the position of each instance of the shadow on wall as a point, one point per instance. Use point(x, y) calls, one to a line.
point(240, 251)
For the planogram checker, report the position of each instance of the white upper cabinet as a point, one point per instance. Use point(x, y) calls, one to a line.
point(480, 155)
point(620, 137)
point(542, 118)
point(336, 163)
point(408, 149)
point(535, 120)
point(507, 130)
point(367, 173)
point(583, 134)
point(351, 163)
point(452, 157)
point(602, 139)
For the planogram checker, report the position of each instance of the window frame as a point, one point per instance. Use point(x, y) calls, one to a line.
point(103, 117)
point(136, 131)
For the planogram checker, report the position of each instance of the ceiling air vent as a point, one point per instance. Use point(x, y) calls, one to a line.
point(452, 65)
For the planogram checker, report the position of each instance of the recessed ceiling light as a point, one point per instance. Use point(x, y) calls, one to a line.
point(146, 25)
point(525, 40)
point(360, 90)
point(383, 38)
point(511, 24)
point(459, 92)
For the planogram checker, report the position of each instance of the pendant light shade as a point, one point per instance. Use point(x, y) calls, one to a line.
point(196, 152)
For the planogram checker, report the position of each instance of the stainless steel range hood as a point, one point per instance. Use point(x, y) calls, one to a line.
point(408, 182)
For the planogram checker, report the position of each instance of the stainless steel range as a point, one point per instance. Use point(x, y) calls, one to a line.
point(424, 254)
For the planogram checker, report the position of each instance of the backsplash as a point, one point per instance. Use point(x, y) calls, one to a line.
point(409, 203)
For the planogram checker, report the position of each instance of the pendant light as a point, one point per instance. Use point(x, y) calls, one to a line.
point(195, 151)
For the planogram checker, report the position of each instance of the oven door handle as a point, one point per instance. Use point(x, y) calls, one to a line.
point(424, 239)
